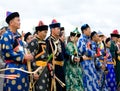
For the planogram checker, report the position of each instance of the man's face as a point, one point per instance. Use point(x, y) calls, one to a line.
point(15, 22)
point(101, 37)
point(29, 38)
point(119, 40)
point(88, 31)
point(96, 37)
point(114, 39)
point(63, 37)
point(56, 31)
point(42, 34)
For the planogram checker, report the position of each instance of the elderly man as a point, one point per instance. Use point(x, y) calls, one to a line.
point(54, 46)
point(14, 56)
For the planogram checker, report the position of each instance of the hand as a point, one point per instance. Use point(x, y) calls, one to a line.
point(95, 55)
point(118, 52)
point(16, 49)
point(52, 74)
point(28, 57)
point(86, 58)
point(103, 67)
point(50, 70)
point(36, 76)
point(76, 59)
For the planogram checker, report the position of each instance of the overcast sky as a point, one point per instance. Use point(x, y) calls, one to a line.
point(103, 15)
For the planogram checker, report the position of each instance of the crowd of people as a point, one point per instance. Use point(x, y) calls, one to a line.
point(86, 61)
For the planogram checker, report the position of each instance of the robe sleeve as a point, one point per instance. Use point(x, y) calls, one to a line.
point(8, 51)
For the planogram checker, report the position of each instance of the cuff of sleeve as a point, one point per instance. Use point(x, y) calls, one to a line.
point(24, 61)
point(81, 59)
point(72, 57)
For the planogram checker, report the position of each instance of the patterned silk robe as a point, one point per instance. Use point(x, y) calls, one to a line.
point(90, 79)
point(111, 76)
point(12, 50)
point(73, 75)
point(38, 48)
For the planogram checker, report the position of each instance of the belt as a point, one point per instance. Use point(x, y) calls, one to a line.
point(90, 58)
point(41, 63)
point(60, 63)
point(114, 62)
point(101, 61)
point(119, 58)
point(110, 63)
point(11, 61)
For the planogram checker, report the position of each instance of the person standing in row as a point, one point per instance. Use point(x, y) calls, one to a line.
point(28, 37)
point(111, 76)
point(90, 80)
point(100, 66)
point(73, 72)
point(14, 56)
point(38, 48)
point(54, 47)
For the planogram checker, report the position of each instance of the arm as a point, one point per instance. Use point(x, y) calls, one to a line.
point(8, 50)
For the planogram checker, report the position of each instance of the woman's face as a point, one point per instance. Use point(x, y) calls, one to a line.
point(74, 38)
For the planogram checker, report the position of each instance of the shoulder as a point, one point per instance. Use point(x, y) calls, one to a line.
point(6, 36)
point(47, 39)
point(33, 43)
point(70, 44)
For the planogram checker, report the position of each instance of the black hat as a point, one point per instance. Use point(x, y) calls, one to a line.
point(26, 35)
point(10, 16)
point(75, 33)
point(41, 27)
point(92, 34)
point(107, 40)
point(54, 24)
point(85, 26)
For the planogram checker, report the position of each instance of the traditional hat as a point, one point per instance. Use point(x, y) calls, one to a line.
point(11, 16)
point(75, 33)
point(54, 24)
point(26, 35)
point(100, 33)
point(85, 26)
point(41, 27)
point(115, 33)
